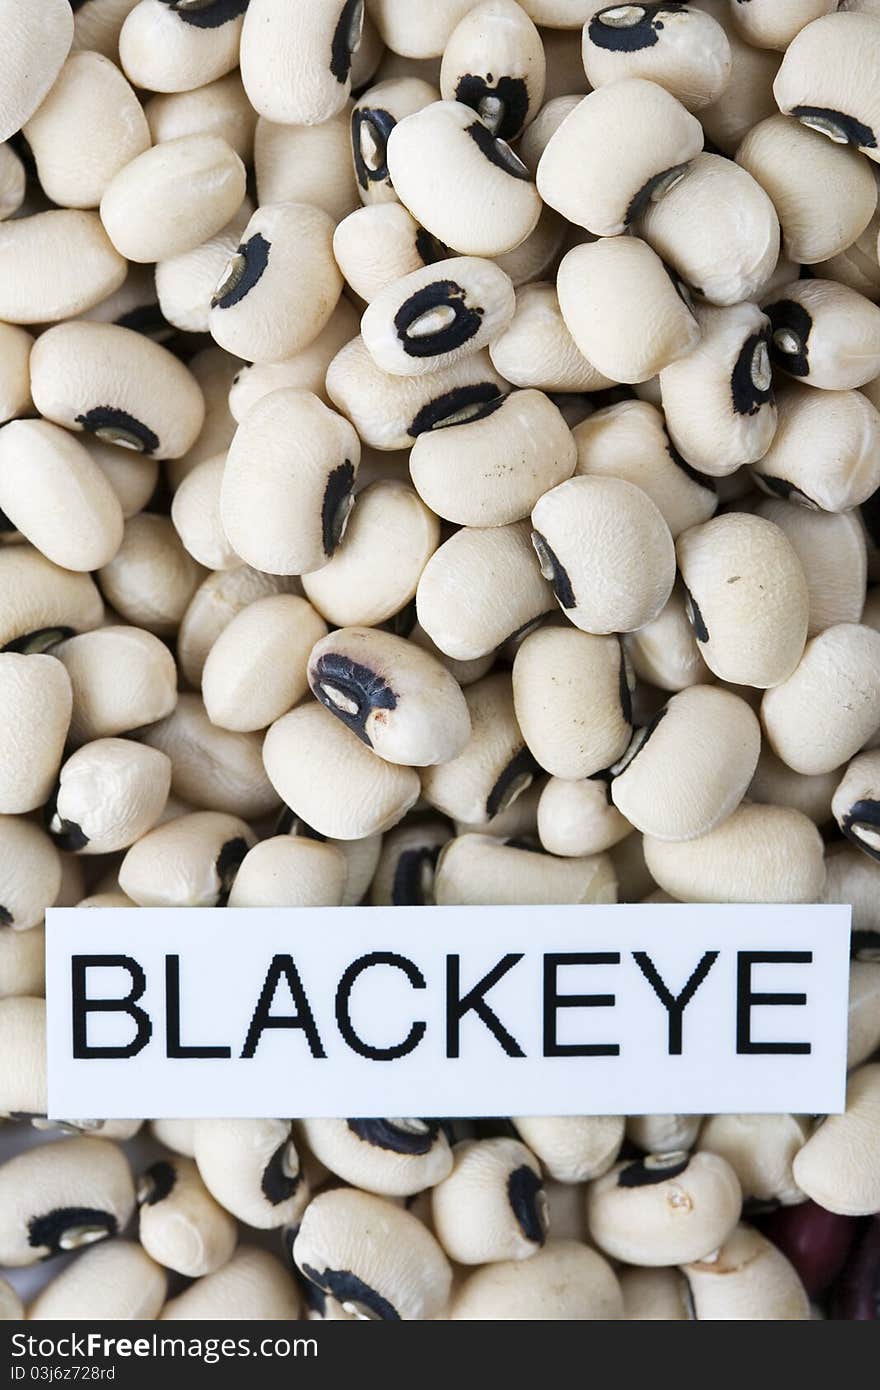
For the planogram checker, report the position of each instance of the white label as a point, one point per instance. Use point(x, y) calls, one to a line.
point(462, 1011)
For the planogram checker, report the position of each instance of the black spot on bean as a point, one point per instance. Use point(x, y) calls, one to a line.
point(160, 1178)
point(212, 15)
point(782, 487)
point(6, 526)
point(497, 152)
point(628, 38)
point(751, 383)
point(511, 94)
point(227, 865)
point(643, 736)
point(522, 769)
point(863, 816)
point(335, 507)
point(346, 37)
point(117, 426)
point(472, 402)
point(623, 685)
point(6, 918)
point(553, 570)
point(414, 868)
point(39, 640)
point(48, 1231)
point(440, 294)
point(430, 248)
point(351, 682)
point(276, 1185)
point(247, 269)
point(855, 131)
point(379, 125)
point(640, 200)
point(700, 479)
point(789, 318)
point(524, 1188)
point(642, 1173)
point(66, 834)
point(383, 1134)
point(864, 944)
point(701, 632)
point(346, 1287)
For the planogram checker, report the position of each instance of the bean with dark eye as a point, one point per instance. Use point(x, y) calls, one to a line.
point(374, 116)
point(395, 1158)
point(62, 1196)
point(251, 1167)
point(405, 873)
point(492, 1205)
point(296, 60)
point(823, 80)
point(494, 62)
point(181, 1225)
point(826, 334)
point(627, 1208)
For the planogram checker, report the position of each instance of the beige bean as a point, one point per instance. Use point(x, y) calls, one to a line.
point(55, 264)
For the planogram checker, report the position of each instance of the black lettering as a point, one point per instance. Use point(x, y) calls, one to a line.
point(746, 1000)
point(675, 1005)
point(83, 1006)
point(553, 1001)
point(343, 1003)
point(457, 1007)
point(173, 1047)
point(282, 966)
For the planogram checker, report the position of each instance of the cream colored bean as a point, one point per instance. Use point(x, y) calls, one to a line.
point(688, 769)
point(825, 334)
point(357, 587)
point(405, 872)
point(38, 41)
point(214, 372)
point(646, 138)
point(775, 784)
point(536, 348)
point(464, 616)
point(188, 862)
point(35, 693)
point(55, 264)
point(494, 767)
point(57, 497)
point(212, 768)
point(22, 962)
point(30, 873)
point(328, 777)
point(826, 450)
point(492, 1205)
point(87, 129)
point(790, 162)
point(665, 652)
point(258, 667)
point(252, 1286)
point(760, 1149)
point(570, 734)
point(173, 197)
point(748, 1280)
point(151, 578)
point(394, 1158)
point(280, 287)
point(122, 678)
point(181, 1226)
point(830, 705)
point(15, 384)
point(758, 854)
point(24, 1087)
point(186, 283)
point(662, 1133)
point(110, 793)
point(654, 1295)
point(824, 78)
point(686, 51)
point(212, 607)
point(856, 803)
point(296, 61)
point(62, 1196)
point(373, 117)
point(718, 401)
point(837, 1167)
point(578, 818)
point(607, 551)
point(195, 512)
point(480, 869)
point(307, 164)
point(747, 598)
point(117, 1276)
point(305, 371)
point(664, 1209)
point(176, 1135)
point(132, 477)
point(165, 49)
point(117, 384)
point(629, 441)
point(564, 1282)
point(397, 699)
point(573, 1148)
point(375, 1258)
point(460, 182)
point(290, 871)
point(40, 603)
point(831, 549)
point(494, 62)
point(624, 311)
point(218, 108)
point(748, 96)
point(13, 182)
